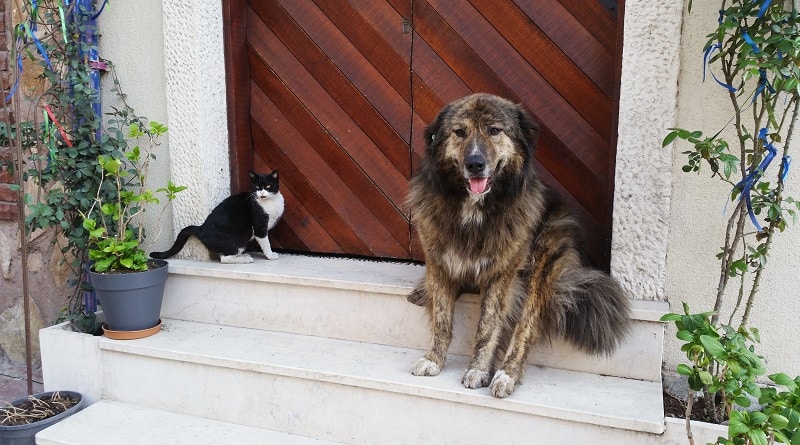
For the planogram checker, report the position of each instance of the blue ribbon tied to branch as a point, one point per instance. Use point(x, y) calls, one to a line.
point(746, 184)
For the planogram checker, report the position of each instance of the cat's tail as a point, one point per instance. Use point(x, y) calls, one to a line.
point(179, 243)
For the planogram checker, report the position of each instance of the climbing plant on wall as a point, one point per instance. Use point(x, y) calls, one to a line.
point(62, 131)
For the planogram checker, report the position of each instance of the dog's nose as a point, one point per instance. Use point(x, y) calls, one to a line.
point(475, 163)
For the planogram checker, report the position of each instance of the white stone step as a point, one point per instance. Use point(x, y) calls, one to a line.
point(119, 423)
point(358, 393)
point(365, 301)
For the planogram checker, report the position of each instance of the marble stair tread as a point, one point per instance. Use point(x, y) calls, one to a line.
point(331, 272)
point(581, 397)
point(119, 423)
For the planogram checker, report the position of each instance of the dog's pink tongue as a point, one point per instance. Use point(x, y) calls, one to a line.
point(478, 185)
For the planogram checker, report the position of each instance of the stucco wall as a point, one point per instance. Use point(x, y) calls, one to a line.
point(667, 225)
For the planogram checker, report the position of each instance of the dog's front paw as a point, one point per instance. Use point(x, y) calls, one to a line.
point(424, 366)
point(271, 255)
point(418, 296)
point(502, 384)
point(474, 378)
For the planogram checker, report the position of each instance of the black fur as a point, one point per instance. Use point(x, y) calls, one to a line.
point(234, 222)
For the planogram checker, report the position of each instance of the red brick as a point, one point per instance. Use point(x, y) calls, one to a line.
point(8, 211)
point(6, 177)
point(6, 194)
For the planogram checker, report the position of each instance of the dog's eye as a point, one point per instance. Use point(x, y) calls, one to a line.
point(494, 131)
point(460, 132)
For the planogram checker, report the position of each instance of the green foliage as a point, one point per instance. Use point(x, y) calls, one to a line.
point(759, 57)
point(114, 225)
point(64, 159)
point(723, 362)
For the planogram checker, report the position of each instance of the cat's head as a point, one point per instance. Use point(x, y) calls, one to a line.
point(264, 186)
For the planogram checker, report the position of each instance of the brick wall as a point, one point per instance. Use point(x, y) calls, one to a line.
point(8, 197)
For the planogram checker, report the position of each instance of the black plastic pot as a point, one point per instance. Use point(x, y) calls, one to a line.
point(26, 434)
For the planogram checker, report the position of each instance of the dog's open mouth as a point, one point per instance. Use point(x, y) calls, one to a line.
point(478, 185)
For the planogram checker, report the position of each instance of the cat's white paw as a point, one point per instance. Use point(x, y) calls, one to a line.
point(236, 259)
point(502, 385)
point(271, 256)
point(424, 367)
point(474, 379)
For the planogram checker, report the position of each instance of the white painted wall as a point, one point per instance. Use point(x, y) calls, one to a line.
point(667, 225)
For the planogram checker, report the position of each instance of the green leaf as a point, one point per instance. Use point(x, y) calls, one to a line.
point(714, 347)
point(758, 418)
point(670, 317)
point(784, 380)
point(736, 427)
point(706, 377)
point(778, 421)
point(796, 438)
point(684, 335)
point(757, 437)
point(669, 138)
point(684, 369)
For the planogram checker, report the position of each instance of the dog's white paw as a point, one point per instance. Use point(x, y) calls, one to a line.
point(474, 378)
point(424, 366)
point(502, 385)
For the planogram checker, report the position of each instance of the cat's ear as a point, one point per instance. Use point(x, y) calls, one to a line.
point(274, 174)
point(253, 176)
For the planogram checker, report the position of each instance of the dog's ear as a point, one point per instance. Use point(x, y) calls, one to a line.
point(434, 133)
point(529, 129)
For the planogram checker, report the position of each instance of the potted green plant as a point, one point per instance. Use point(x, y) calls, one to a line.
point(21, 419)
point(129, 285)
point(754, 54)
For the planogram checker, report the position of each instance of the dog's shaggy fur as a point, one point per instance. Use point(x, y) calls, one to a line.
point(488, 224)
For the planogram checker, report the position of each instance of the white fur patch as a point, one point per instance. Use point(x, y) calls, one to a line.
point(474, 379)
point(502, 384)
point(273, 206)
point(266, 248)
point(236, 259)
point(423, 367)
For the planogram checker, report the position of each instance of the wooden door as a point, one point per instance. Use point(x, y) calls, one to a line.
point(335, 94)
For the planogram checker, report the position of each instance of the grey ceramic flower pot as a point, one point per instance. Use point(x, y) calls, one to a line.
point(131, 301)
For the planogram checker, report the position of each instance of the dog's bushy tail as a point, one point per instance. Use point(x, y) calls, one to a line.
point(180, 241)
point(590, 310)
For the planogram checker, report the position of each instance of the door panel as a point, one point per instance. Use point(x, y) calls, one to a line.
point(336, 96)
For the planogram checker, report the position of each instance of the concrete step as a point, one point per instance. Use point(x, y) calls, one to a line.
point(119, 423)
point(365, 301)
point(353, 392)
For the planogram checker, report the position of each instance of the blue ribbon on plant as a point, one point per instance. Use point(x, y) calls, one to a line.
point(706, 55)
point(763, 8)
point(750, 41)
point(762, 84)
point(786, 162)
point(747, 183)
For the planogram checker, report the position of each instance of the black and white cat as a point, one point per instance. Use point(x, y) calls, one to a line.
point(237, 220)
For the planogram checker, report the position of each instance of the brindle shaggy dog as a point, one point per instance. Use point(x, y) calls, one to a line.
point(487, 223)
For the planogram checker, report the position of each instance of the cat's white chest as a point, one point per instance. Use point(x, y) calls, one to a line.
point(273, 206)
